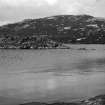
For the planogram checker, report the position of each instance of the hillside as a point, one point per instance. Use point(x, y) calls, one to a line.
point(52, 32)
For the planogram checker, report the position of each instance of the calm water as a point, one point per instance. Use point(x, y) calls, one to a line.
point(51, 75)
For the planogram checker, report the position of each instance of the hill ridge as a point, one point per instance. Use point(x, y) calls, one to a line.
point(75, 29)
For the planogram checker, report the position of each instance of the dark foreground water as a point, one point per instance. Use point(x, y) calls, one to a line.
point(51, 75)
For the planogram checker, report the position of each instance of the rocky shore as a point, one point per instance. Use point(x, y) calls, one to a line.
point(98, 100)
point(33, 43)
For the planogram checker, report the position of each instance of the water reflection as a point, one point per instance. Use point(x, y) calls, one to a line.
point(50, 87)
point(55, 75)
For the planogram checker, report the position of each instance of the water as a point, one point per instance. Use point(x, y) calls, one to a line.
point(51, 75)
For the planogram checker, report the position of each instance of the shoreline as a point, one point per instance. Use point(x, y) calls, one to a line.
point(97, 100)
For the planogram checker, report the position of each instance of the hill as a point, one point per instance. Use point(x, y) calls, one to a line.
point(52, 32)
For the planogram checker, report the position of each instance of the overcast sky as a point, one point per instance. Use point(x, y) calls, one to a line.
point(16, 10)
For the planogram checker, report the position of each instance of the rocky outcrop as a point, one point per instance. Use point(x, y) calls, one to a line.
point(98, 100)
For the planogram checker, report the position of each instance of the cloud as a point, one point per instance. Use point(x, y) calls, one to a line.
point(4, 22)
point(51, 2)
point(27, 2)
point(14, 10)
point(77, 6)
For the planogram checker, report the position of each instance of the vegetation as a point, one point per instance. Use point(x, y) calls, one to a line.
point(52, 32)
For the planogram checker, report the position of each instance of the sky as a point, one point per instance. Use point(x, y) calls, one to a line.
point(16, 10)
